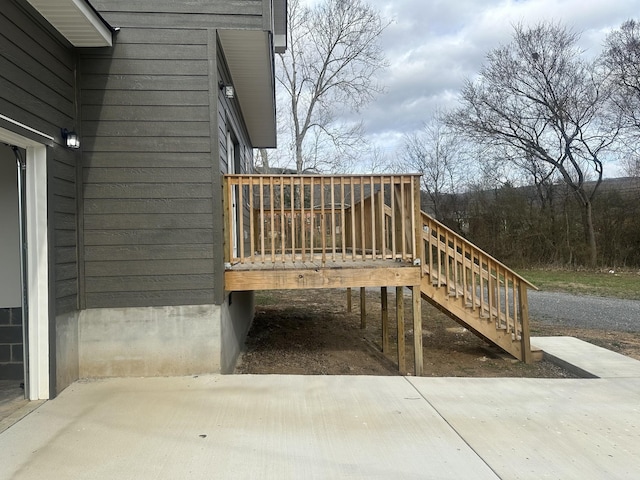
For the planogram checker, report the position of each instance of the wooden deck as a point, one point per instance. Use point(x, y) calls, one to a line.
point(311, 231)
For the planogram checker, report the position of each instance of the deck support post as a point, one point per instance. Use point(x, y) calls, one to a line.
point(402, 367)
point(349, 300)
point(524, 318)
point(363, 308)
point(417, 330)
point(384, 308)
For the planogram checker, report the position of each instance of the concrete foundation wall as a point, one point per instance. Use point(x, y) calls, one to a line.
point(237, 315)
point(149, 341)
point(67, 357)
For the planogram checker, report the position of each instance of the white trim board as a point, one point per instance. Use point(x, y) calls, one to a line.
point(37, 263)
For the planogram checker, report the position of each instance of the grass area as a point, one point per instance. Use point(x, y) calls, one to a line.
point(620, 284)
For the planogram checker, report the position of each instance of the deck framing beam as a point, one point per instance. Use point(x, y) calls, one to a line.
point(243, 280)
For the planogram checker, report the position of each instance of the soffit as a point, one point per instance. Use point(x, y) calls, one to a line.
point(249, 56)
point(76, 20)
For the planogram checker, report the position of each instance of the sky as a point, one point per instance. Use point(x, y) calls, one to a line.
point(433, 45)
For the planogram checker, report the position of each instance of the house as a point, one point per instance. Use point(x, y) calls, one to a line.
point(123, 265)
point(135, 229)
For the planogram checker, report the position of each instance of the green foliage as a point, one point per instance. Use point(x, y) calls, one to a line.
point(529, 226)
point(605, 283)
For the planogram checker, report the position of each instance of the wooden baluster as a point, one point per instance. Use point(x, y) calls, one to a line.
point(430, 232)
point(490, 290)
point(440, 257)
point(484, 286)
point(394, 250)
point(262, 219)
point(447, 265)
point(333, 220)
point(414, 211)
point(272, 232)
point(456, 273)
point(293, 220)
point(283, 235)
point(381, 219)
point(343, 238)
point(353, 220)
point(465, 286)
point(323, 226)
point(498, 296)
point(312, 215)
point(507, 317)
point(372, 217)
point(514, 304)
point(303, 222)
point(240, 210)
point(403, 227)
point(363, 242)
point(474, 284)
point(252, 220)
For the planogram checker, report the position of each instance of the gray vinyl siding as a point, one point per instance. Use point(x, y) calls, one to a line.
point(209, 14)
point(154, 129)
point(147, 170)
point(37, 85)
point(36, 72)
point(65, 213)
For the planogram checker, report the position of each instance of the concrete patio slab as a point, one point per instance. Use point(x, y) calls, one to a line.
point(585, 359)
point(286, 427)
point(268, 427)
point(544, 428)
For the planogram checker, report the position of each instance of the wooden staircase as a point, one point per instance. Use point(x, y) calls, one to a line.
point(475, 289)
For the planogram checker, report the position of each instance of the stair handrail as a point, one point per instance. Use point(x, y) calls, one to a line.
point(452, 232)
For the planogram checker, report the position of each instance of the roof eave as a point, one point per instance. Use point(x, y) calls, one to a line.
point(77, 21)
point(249, 56)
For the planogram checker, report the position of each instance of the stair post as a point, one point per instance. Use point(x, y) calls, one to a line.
point(524, 319)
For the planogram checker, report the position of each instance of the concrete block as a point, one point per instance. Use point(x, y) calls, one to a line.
point(16, 316)
point(10, 334)
point(5, 353)
point(17, 354)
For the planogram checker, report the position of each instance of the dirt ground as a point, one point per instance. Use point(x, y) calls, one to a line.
point(311, 332)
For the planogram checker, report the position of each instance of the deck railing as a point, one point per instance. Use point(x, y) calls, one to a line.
point(314, 218)
point(498, 293)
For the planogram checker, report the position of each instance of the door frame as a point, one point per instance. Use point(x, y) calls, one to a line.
point(37, 322)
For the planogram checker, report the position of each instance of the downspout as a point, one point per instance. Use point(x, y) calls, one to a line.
point(22, 167)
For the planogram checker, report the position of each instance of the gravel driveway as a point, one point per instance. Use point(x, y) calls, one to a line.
point(585, 311)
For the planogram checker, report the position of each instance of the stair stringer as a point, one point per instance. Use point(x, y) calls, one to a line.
point(469, 318)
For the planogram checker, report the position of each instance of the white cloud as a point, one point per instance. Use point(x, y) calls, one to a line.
point(432, 46)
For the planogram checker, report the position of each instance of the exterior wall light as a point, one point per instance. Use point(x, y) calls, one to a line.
point(228, 90)
point(71, 139)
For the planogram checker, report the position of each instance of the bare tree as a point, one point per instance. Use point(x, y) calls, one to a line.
point(435, 152)
point(330, 65)
point(538, 99)
point(621, 56)
point(631, 166)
